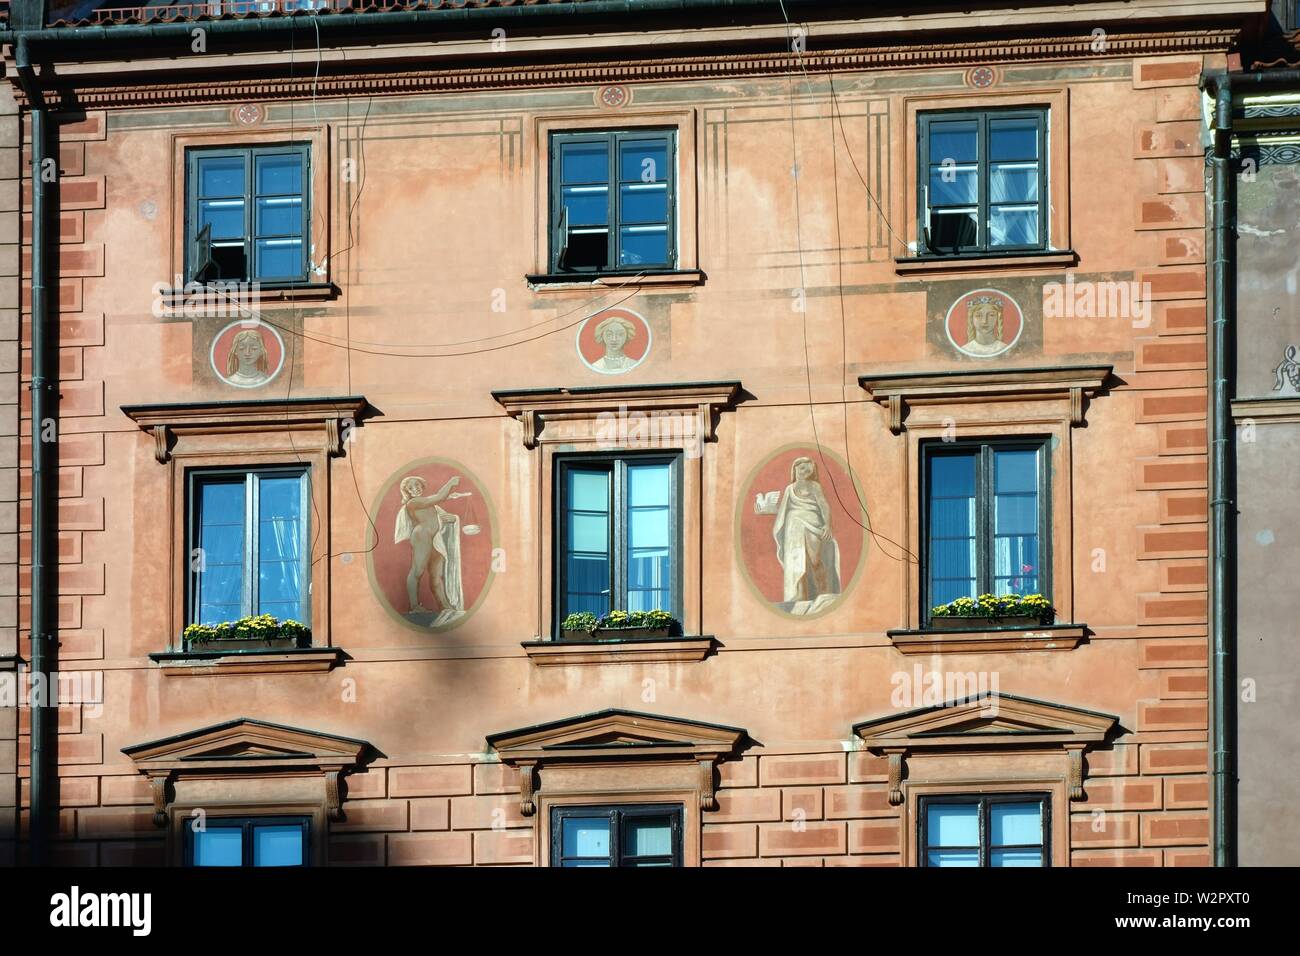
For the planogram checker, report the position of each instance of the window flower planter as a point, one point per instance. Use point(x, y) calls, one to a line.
point(972, 623)
point(617, 626)
point(990, 610)
point(616, 633)
point(262, 632)
point(247, 644)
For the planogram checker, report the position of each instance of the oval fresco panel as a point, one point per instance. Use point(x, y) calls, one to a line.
point(432, 564)
point(800, 530)
point(614, 341)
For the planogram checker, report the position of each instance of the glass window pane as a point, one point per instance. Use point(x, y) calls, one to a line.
point(225, 216)
point(589, 533)
point(1016, 514)
point(1013, 139)
point(644, 161)
point(584, 163)
point(943, 591)
point(280, 498)
point(587, 205)
point(221, 176)
point(279, 175)
point(952, 475)
point(1016, 858)
point(277, 846)
point(279, 216)
point(954, 858)
point(1013, 226)
point(585, 836)
point(643, 245)
point(588, 490)
point(1013, 183)
point(588, 574)
point(953, 229)
point(1015, 824)
point(1015, 470)
point(278, 258)
point(952, 824)
point(954, 185)
point(956, 140)
point(641, 203)
point(649, 484)
point(647, 836)
point(218, 846)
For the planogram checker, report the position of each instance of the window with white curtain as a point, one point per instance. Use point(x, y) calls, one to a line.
point(248, 547)
point(631, 836)
point(983, 181)
point(985, 514)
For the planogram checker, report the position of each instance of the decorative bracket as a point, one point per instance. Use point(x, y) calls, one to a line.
point(158, 787)
point(527, 804)
point(160, 439)
point(1076, 772)
point(333, 804)
point(895, 776)
point(708, 800)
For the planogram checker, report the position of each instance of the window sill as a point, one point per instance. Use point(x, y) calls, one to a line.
point(222, 663)
point(569, 281)
point(243, 293)
point(653, 650)
point(931, 265)
point(1037, 637)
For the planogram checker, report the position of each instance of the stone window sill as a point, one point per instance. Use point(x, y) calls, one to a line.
point(222, 663)
point(569, 282)
point(653, 650)
point(1052, 637)
point(951, 265)
point(176, 299)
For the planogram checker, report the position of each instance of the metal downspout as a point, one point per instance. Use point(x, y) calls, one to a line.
point(1222, 497)
point(44, 743)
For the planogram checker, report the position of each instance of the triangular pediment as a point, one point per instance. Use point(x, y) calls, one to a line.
point(246, 744)
point(612, 732)
point(987, 719)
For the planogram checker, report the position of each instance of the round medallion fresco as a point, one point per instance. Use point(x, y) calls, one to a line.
point(984, 323)
point(800, 530)
point(614, 341)
point(432, 563)
point(247, 354)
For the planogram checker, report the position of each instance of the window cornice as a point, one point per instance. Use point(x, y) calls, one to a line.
point(1072, 383)
point(169, 422)
point(535, 407)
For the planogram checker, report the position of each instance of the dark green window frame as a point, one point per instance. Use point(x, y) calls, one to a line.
point(618, 815)
point(200, 265)
point(560, 230)
point(248, 825)
point(616, 464)
point(928, 245)
point(984, 523)
point(251, 550)
point(985, 802)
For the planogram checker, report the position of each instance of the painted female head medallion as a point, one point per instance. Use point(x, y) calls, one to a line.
point(614, 341)
point(984, 323)
point(247, 354)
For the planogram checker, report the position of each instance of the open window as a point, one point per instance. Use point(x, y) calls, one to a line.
point(613, 201)
point(247, 213)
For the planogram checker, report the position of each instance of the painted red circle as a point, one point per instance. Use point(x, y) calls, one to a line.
point(636, 347)
point(957, 324)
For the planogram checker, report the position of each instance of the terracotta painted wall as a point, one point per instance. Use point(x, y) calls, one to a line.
point(438, 225)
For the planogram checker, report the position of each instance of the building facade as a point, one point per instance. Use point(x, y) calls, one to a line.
point(431, 328)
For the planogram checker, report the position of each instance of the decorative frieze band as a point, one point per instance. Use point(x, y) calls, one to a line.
point(213, 90)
